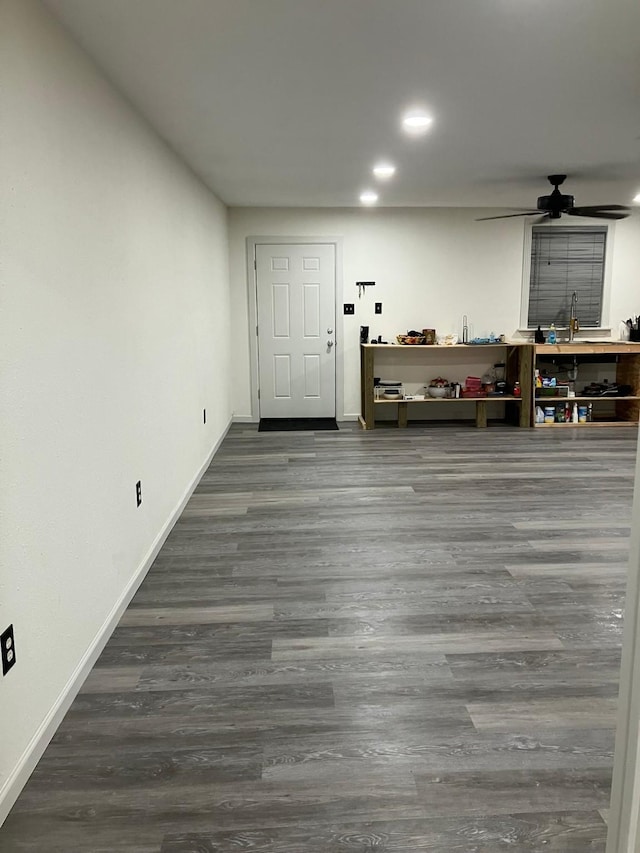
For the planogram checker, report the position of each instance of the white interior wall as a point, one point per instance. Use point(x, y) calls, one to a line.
point(118, 329)
point(430, 266)
point(114, 336)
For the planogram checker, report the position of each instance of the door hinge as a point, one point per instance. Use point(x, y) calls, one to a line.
point(256, 330)
point(255, 264)
point(258, 393)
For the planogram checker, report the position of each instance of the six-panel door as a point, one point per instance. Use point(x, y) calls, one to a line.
point(296, 330)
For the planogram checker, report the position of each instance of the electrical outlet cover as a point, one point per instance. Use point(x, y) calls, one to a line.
point(349, 308)
point(7, 649)
point(138, 493)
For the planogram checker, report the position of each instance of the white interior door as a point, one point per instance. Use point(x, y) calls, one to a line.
point(296, 330)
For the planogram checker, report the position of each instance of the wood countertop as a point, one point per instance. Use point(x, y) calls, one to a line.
point(590, 348)
point(451, 347)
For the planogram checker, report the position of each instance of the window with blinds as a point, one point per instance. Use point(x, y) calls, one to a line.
point(564, 260)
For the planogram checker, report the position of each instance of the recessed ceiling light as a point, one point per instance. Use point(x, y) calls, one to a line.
point(384, 171)
point(368, 197)
point(636, 198)
point(416, 122)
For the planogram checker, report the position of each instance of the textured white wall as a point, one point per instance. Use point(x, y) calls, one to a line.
point(114, 337)
point(430, 265)
point(625, 271)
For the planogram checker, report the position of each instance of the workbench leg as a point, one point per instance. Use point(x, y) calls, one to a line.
point(525, 367)
point(481, 413)
point(402, 414)
point(367, 410)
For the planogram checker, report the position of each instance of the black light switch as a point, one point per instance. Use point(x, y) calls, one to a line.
point(378, 308)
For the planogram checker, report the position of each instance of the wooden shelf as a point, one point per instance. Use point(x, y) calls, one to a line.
point(591, 424)
point(445, 346)
point(605, 348)
point(520, 358)
point(517, 355)
point(609, 397)
point(502, 399)
point(627, 372)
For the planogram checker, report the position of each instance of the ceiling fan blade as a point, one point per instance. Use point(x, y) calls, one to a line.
point(594, 207)
point(598, 213)
point(508, 215)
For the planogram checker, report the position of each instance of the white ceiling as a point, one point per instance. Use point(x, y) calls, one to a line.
point(290, 102)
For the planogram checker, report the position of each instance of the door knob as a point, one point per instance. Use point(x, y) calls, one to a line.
point(329, 331)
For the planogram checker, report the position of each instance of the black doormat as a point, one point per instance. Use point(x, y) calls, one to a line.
point(291, 424)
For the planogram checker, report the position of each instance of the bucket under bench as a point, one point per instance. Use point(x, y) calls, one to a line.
point(418, 363)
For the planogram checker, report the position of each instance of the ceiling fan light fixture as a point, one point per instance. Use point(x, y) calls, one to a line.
point(636, 198)
point(556, 204)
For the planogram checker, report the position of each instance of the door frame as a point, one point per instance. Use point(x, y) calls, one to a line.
point(252, 301)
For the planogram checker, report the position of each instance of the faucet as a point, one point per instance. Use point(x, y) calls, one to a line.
point(574, 326)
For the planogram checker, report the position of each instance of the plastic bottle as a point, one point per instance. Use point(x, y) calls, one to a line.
point(517, 392)
point(551, 339)
point(574, 414)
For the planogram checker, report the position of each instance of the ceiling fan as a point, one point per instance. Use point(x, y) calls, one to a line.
point(554, 205)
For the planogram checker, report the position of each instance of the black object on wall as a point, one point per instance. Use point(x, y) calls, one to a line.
point(7, 649)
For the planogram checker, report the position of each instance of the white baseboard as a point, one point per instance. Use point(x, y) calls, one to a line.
point(19, 777)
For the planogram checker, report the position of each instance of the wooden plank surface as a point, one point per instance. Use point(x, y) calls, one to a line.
point(481, 413)
point(588, 348)
point(432, 347)
point(358, 641)
point(628, 373)
point(518, 357)
point(367, 415)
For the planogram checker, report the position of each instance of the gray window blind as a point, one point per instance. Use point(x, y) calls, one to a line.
point(564, 259)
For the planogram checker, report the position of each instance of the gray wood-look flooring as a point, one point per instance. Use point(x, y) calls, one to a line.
point(360, 641)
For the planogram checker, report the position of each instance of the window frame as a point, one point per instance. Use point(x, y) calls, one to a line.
point(605, 317)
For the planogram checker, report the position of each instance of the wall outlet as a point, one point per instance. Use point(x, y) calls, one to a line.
point(7, 649)
point(378, 308)
point(138, 493)
point(349, 308)
point(204, 416)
